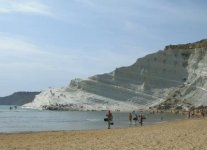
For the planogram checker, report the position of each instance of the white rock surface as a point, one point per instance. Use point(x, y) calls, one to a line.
point(151, 80)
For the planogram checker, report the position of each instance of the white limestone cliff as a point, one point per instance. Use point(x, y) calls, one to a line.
point(175, 76)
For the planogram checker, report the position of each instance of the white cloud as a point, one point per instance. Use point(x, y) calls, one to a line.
point(16, 44)
point(27, 65)
point(22, 54)
point(24, 6)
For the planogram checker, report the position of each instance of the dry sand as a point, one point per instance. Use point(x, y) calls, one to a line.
point(183, 135)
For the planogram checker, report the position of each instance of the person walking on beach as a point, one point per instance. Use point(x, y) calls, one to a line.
point(141, 119)
point(202, 113)
point(130, 118)
point(189, 114)
point(193, 114)
point(161, 118)
point(110, 118)
point(135, 119)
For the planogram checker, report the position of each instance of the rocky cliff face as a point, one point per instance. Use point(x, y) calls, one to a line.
point(175, 76)
point(193, 92)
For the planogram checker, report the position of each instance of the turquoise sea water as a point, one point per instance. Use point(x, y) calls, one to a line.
point(21, 120)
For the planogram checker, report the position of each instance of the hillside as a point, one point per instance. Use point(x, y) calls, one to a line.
point(170, 78)
point(18, 98)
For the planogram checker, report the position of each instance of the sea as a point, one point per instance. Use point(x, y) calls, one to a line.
point(32, 120)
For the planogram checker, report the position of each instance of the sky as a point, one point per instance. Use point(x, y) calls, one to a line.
point(47, 43)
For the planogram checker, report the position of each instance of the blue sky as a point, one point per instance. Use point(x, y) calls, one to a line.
point(46, 43)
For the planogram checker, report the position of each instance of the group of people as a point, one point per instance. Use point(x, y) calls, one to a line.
point(196, 113)
point(136, 118)
point(12, 107)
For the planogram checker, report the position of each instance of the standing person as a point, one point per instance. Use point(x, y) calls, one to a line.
point(141, 119)
point(189, 114)
point(135, 119)
point(161, 118)
point(130, 118)
point(110, 118)
point(202, 113)
point(193, 114)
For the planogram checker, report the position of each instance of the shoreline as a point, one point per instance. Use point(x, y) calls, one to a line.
point(129, 126)
point(179, 134)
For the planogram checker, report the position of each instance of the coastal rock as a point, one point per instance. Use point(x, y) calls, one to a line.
point(18, 98)
point(175, 76)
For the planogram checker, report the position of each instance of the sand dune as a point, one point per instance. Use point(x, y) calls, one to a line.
point(183, 135)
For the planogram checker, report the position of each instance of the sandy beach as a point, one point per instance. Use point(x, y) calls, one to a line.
point(185, 135)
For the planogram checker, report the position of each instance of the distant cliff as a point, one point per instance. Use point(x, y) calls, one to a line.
point(18, 98)
point(175, 77)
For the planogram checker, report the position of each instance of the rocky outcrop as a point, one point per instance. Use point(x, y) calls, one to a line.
point(18, 98)
point(193, 92)
point(171, 78)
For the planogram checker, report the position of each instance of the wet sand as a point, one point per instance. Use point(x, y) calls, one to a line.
point(178, 135)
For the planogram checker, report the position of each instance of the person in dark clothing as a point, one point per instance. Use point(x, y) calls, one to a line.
point(135, 119)
point(141, 119)
point(110, 118)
